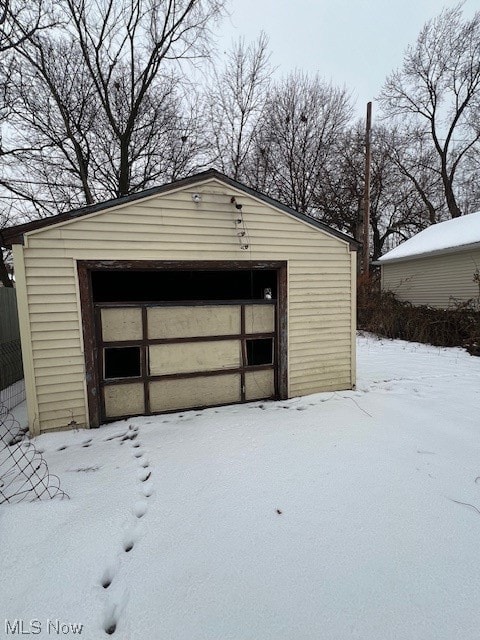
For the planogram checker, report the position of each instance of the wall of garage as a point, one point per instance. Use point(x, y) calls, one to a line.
point(171, 226)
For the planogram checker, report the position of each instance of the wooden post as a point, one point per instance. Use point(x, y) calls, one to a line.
point(366, 198)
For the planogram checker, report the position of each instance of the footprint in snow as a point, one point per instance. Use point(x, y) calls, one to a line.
point(131, 538)
point(115, 437)
point(112, 617)
point(108, 575)
point(140, 509)
point(144, 474)
point(147, 489)
point(131, 435)
point(133, 535)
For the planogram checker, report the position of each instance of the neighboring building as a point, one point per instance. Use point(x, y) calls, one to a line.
point(438, 266)
point(198, 293)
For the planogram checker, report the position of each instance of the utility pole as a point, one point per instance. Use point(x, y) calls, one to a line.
point(366, 197)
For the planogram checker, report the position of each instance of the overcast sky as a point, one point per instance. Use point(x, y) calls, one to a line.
point(355, 43)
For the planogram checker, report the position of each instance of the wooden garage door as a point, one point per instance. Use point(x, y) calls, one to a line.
point(166, 357)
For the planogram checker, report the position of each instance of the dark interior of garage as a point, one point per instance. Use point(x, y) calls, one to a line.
point(122, 362)
point(259, 351)
point(174, 286)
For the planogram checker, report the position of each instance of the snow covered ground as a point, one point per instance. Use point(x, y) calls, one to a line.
point(335, 516)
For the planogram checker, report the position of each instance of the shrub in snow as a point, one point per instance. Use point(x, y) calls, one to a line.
point(382, 313)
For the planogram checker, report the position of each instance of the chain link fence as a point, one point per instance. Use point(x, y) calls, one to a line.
point(24, 474)
point(12, 386)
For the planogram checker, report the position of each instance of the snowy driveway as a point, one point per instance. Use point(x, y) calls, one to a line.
point(336, 516)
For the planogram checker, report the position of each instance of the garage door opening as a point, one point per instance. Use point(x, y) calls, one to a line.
point(171, 286)
point(169, 339)
point(259, 351)
point(122, 362)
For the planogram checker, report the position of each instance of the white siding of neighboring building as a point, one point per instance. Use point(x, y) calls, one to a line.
point(437, 281)
point(169, 226)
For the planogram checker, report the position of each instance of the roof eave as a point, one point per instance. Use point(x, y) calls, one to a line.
point(15, 235)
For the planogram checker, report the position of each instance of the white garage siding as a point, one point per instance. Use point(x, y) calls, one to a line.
point(437, 281)
point(170, 226)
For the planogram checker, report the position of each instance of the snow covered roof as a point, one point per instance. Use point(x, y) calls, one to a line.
point(441, 237)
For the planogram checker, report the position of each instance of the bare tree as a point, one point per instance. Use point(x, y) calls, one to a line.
point(101, 99)
point(396, 212)
point(339, 194)
point(301, 123)
point(236, 98)
point(19, 20)
point(436, 95)
point(415, 158)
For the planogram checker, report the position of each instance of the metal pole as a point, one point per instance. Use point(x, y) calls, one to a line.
point(366, 199)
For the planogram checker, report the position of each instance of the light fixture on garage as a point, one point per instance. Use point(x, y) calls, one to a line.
point(196, 197)
point(240, 226)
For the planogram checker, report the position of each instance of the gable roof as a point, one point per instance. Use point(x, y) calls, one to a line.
point(14, 235)
point(457, 234)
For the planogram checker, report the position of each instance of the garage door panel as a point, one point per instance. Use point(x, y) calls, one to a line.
point(259, 384)
point(121, 324)
point(188, 357)
point(183, 393)
point(259, 318)
point(124, 400)
point(176, 351)
point(193, 321)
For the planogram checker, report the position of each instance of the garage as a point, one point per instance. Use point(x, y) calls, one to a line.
point(197, 293)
